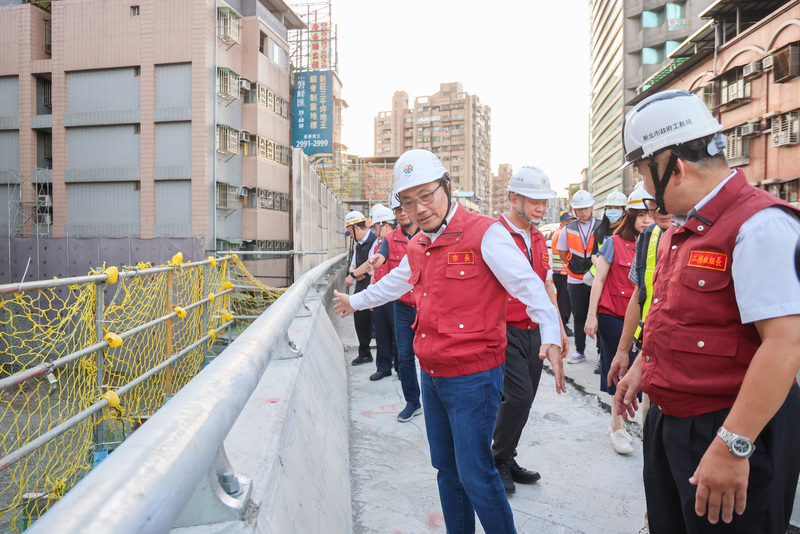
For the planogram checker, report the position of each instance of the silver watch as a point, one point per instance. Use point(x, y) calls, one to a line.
point(740, 446)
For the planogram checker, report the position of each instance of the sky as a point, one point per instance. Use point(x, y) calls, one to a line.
point(528, 61)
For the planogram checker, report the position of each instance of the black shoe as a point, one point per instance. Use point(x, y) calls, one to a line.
point(505, 475)
point(568, 331)
point(522, 475)
point(377, 375)
point(361, 359)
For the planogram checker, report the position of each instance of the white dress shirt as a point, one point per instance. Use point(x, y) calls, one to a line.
point(762, 266)
point(506, 262)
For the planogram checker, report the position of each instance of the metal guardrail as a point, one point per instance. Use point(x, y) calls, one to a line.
point(147, 482)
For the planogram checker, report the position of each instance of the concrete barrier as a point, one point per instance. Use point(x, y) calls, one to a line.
point(291, 439)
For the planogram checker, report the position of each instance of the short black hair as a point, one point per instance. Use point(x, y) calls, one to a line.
point(696, 151)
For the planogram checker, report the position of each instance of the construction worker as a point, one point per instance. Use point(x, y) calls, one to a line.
point(528, 192)
point(460, 266)
point(383, 223)
point(391, 251)
point(356, 224)
point(560, 272)
point(575, 247)
point(611, 291)
point(721, 341)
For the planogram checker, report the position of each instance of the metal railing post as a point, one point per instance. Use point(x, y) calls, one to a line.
point(100, 451)
point(168, 370)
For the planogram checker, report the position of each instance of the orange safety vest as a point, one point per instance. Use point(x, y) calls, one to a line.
point(580, 256)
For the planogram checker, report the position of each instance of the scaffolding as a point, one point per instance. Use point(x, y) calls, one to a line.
point(316, 46)
point(30, 204)
point(360, 182)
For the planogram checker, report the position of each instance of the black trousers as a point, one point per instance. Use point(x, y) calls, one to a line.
point(386, 355)
point(562, 297)
point(363, 322)
point(579, 298)
point(523, 371)
point(673, 447)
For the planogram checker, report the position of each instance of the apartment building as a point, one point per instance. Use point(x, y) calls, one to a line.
point(452, 124)
point(630, 41)
point(745, 64)
point(500, 181)
point(147, 119)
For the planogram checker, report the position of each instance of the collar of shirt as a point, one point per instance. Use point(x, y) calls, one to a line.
point(706, 199)
point(433, 237)
point(364, 239)
point(523, 233)
point(409, 236)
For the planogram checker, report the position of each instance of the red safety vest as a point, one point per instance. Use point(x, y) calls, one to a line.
point(397, 242)
point(461, 306)
point(618, 288)
point(696, 349)
point(517, 313)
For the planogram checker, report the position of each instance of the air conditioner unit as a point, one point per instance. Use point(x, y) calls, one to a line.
point(751, 129)
point(44, 218)
point(244, 137)
point(766, 62)
point(786, 63)
point(44, 201)
point(752, 69)
point(244, 84)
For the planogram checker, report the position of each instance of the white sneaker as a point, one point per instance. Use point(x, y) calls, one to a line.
point(624, 434)
point(621, 441)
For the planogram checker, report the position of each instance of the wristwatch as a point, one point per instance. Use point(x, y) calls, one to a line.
point(740, 446)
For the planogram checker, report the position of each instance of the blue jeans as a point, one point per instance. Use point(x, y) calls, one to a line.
point(460, 414)
point(404, 317)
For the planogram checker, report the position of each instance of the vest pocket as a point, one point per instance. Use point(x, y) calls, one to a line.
point(706, 297)
point(703, 363)
point(455, 325)
point(461, 272)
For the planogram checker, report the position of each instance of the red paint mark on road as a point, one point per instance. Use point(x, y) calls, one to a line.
point(272, 401)
point(391, 409)
point(435, 521)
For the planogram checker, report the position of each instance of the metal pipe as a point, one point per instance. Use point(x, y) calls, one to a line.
point(42, 368)
point(53, 433)
point(146, 483)
point(275, 252)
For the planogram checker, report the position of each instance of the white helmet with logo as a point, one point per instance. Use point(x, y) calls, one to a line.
point(354, 217)
point(668, 118)
point(615, 198)
point(416, 167)
point(382, 214)
point(394, 202)
point(637, 197)
point(582, 199)
point(531, 182)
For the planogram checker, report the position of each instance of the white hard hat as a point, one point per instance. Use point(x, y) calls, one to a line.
point(416, 167)
point(637, 197)
point(382, 214)
point(531, 182)
point(354, 217)
point(582, 199)
point(394, 202)
point(668, 118)
point(615, 198)
point(373, 209)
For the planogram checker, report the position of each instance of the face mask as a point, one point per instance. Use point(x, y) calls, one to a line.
point(613, 214)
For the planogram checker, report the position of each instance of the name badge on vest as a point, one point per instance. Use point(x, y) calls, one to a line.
point(460, 258)
point(708, 260)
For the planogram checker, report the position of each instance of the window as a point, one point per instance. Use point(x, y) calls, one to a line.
point(229, 25)
point(227, 83)
point(785, 189)
point(786, 63)
point(47, 93)
point(652, 56)
point(652, 19)
point(262, 43)
point(227, 140)
point(48, 37)
point(272, 151)
point(278, 55)
point(785, 129)
point(137, 128)
point(738, 149)
point(734, 87)
point(669, 46)
point(134, 11)
point(675, 10)
point(227, 197)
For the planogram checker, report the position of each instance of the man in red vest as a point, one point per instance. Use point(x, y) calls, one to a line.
point(461, 265)
point(721, 341)
point(529, 190)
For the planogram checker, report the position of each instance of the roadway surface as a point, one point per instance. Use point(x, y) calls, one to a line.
point(585, 487)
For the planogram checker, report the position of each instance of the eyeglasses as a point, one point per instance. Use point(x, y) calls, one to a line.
point(650, 204)
point(425, 199)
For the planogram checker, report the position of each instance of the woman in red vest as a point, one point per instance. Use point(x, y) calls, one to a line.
point(608, 301)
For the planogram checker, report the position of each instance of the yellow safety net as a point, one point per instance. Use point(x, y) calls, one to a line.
point(41, 326)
